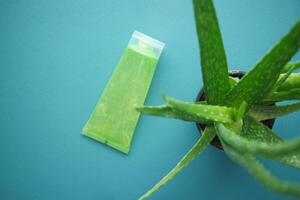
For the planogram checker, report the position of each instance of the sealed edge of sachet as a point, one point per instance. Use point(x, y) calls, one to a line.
point(104, 140)
point(142, 44)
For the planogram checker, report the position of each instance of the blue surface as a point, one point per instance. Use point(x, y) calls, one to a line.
point(55, 59)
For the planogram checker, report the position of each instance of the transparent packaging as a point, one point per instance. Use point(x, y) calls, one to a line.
point(146, 45)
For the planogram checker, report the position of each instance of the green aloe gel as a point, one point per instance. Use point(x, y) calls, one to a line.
point(114, 118)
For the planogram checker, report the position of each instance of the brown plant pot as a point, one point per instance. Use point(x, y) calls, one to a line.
point(201, 97)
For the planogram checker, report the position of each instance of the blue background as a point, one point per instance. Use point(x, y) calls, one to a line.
point(55, 59)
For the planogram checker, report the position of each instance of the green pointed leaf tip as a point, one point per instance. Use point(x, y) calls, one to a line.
point(168, 112)
point(213, 58)
point(282, 79)
point(294, 65)
point(259, 172)
point(292, 94)
point(292, 82)
point(255, 85)
point(208, 112)
point(241, 111)
point(260, 112)
point(202, 143)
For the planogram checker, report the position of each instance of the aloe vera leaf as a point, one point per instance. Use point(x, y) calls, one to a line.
point(292, 82)
point(167, 111)
point(255, 147)
point(257, 132)
point(208, 112)
point(261, 112)
point(256, 84)
point(282, 79)
point(294, 65)
point(289, 68)
point(292, 94)
point(213, 58)
point(207, 136)
point(260, 173)
point(241, 111)
point(232, 81)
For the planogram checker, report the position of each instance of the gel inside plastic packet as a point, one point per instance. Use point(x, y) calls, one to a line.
point(114, 118)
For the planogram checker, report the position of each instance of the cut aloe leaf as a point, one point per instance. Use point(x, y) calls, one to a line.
point(114, 118)
point(205, 139)
point(208, 112)
point(261, 112)
point(169, 112)
point(259, 172)
point(257, 83)
point(213, 58)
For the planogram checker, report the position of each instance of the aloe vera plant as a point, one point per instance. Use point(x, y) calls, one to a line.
point(234, 108)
